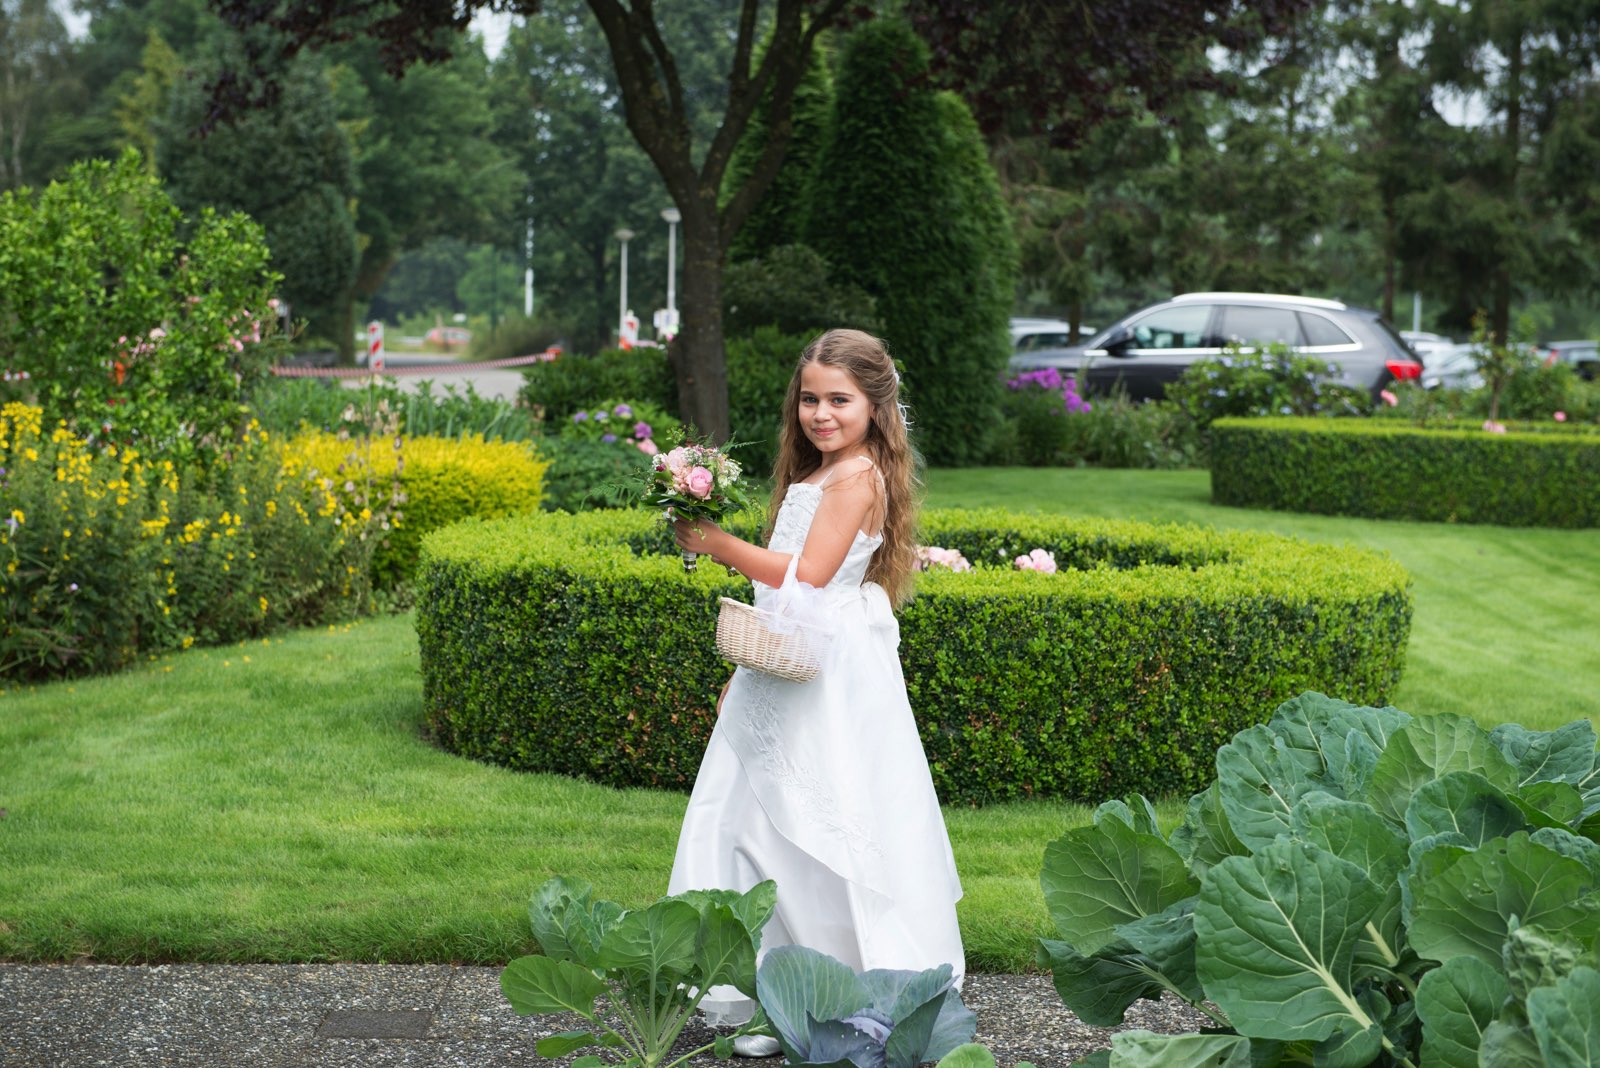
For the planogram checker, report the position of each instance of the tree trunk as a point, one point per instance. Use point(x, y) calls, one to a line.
point(698, 357)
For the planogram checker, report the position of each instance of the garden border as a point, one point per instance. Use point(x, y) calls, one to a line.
point(1383, 469)
point(577, 645)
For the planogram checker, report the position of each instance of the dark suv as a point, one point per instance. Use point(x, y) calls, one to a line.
point(1154, 346)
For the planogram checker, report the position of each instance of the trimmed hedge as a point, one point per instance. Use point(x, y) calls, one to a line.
point(577, 645)
point(1549, 477)
point(444, 480)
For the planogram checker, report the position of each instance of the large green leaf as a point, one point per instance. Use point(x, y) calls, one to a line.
point(1134, 810)
point(969, 1055)
point(1428, 748)
point(1566, 1020)
point(1352, 1046)
point(657, 941)
point(1098, 989)
point(1166, 940)
point(1534, 958)
point(559, 913)
point(1352, 831)
point(1467, 907)
point(564, 1042)
point(1097, 877)
point(796, 985)
point(1259, 784)
point(836, 1044)
point(538, 984)
point(1550, 804)
point(955, 1025)
point(1457, 1002)
point(1509, 1044)
point(896, 992)
point(1146, 1049)
point(1429, 857)
point(1205, 837)
point(1360, 759)
point(909, 1041)
point(1277, 935)
point(754, 908)
point(1312, 729)
point(724, 953)
point(1566, 754)
point(1571, 845)
point(1465, 802)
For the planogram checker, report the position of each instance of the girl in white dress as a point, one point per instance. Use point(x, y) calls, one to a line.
point(823, 786)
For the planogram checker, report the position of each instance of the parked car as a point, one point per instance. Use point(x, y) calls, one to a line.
point(1030, 334)
point(1455, 367)
point(1425, 344)
point(1155, 345)
point(448, 337)
point(1584, 356)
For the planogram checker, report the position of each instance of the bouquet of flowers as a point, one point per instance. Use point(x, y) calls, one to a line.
point(695, 481)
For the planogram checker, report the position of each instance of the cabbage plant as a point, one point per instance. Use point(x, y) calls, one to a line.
point(825, 1013)
point(637, 976)
point(1357, 887)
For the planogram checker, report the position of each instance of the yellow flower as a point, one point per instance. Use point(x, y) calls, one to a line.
point(188, 640)
point(263, 606)
point(16, 514)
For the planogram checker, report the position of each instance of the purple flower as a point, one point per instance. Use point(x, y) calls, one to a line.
point(608, 438)
point(642, 430)
point(622, 411)
point(578, 417)
point(72, 587)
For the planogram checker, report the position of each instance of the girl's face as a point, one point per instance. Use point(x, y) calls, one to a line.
point(834, 413)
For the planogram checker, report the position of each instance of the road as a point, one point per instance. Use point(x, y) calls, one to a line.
point(499, 383)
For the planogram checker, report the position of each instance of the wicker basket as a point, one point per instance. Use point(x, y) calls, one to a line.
point(745, 636)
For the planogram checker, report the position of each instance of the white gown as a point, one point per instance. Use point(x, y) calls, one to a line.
point(823, 787)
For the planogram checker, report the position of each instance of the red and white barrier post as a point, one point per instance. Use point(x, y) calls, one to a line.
point(375, 345)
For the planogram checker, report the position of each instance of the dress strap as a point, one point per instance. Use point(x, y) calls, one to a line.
point(864, 459)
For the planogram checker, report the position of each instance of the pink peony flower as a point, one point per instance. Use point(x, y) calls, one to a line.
point(700, 482)
point(1037, 560)
point(1560, 417)
point(647, 446)
point(1388, 398)
point(1493, 427)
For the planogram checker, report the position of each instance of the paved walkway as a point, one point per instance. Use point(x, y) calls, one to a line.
point(389, 1016)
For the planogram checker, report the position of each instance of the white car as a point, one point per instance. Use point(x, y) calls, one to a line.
point(1451, 367)
point(1029, 334)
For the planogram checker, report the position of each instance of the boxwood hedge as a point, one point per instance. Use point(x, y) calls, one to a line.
point(1549, 477)
point(576, 644)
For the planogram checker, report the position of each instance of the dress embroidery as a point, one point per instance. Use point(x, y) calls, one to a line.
point(762, 720)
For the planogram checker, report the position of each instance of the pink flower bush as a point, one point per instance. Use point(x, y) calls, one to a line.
point(647, 446)
point(1493, 427)
point(1560, 417)
point(932, 556)
point(1037, 560)
point(1388, 398)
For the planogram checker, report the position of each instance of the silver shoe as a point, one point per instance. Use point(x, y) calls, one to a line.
point(756, 1046)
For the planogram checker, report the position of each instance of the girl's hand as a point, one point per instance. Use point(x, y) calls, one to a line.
point(698, 536)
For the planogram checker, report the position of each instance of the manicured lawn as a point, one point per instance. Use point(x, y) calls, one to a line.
point(276, 801)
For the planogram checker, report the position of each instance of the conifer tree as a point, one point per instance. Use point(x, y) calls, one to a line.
point(905, 205)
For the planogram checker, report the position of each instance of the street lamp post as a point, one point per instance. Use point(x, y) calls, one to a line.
point(623, 235)
point(672, 216)
point(527, 273)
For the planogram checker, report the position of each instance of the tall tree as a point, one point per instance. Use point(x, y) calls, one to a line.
point(1128, 51)
point(33, 57)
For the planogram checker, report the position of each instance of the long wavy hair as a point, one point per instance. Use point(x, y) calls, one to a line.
point(888, 442)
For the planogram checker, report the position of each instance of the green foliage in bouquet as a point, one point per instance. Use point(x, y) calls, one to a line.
point(1534, 475)
point(1123, 671)
point(636, 976)
point(1357, 887)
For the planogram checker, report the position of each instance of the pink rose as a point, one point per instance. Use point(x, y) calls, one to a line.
point(700, 481)
point(1388, 398)
point(1560, 417)
point(648, 447)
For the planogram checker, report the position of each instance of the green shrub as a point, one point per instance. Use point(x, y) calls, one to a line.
point(788, 288)
point(1125, 670)
point(521, 336)
point(573, 382)
point(1274, 380)
point(1358, 887)
point(760, 366)
point(107, 555)
point(442, 480)
point(1531, 476)
point(1048, 423)
point(122, 331)
point(906, 206)
point(584, 475)
point(625, 422)
point(288, 405)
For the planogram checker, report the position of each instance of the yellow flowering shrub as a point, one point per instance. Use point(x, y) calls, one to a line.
point(106, 555)
point(425, 484)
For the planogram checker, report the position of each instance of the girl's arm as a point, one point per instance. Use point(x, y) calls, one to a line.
point(848, 500)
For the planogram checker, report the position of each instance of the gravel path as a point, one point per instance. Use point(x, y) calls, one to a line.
point(387, 1016)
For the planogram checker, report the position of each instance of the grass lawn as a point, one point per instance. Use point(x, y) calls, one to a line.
point(275, 801)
